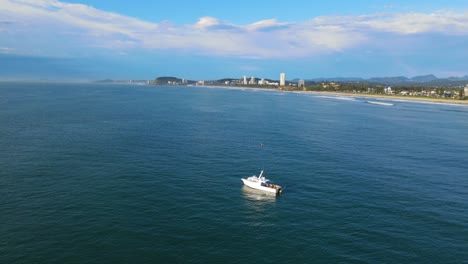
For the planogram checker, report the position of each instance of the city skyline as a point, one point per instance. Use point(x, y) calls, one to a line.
point(86, 40)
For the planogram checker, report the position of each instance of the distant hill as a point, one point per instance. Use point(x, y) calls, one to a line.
point(464, 78)
point(389, 80)
point(337, 79)
point(227, 80)
point(424, 78)
point(166, 80)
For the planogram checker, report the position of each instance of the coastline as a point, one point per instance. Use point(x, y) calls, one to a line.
point(351, 95)
point(396, 97)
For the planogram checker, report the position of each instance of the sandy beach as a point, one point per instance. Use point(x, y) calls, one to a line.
point(374, 96)
point(395, 97)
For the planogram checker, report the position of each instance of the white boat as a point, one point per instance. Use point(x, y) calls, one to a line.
point(379, 103)
point(261, 183)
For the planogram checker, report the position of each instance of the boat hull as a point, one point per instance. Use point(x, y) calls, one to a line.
point(257, 186)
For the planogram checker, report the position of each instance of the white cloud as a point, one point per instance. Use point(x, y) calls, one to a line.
point(206, 22)
point(416, 23)
point(6, 50)
point(84, 27)
point(267, 24)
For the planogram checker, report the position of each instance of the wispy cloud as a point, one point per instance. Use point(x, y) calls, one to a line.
point(417, 23)
point(269, 24)
point(5, 50)
point(74, 27)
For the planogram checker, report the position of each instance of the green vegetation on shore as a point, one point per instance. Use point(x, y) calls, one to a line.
point(448, 92)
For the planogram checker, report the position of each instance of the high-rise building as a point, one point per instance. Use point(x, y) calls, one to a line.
point(252, 80)
point(300, 83)
point(244, 81)
point(282, 79)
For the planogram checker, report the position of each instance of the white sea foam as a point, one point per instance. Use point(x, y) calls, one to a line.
point(426, 102)
point(345, 98)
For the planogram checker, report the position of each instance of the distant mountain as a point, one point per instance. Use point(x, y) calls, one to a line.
point(227, 80)
point(389, 80)
point(464, 78)
point(337, 79)
point(166, 80)
point(424, 78)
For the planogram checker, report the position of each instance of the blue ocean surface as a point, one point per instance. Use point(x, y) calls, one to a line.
point(98, 173)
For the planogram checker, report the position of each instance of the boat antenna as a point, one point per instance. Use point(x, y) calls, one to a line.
point(262, 156)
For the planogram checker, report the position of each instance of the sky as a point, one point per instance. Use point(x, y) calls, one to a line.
point(143, 39)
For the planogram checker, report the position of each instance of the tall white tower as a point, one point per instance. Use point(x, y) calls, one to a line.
point(282, 79)
point(300, 83)
point(244, 80)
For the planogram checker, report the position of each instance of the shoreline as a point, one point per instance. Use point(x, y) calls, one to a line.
point(396, 98)
point(374, 96)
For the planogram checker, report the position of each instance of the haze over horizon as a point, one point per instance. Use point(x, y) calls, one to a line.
point(96, 39)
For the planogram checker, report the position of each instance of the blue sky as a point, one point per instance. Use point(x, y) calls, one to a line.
point(86, 40)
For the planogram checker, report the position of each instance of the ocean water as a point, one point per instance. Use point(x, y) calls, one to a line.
point(151, 174)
